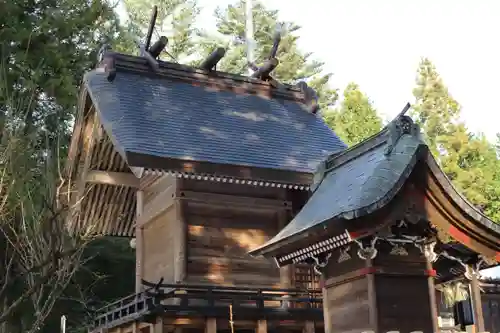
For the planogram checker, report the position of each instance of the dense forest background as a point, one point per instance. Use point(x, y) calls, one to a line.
point(47, 45)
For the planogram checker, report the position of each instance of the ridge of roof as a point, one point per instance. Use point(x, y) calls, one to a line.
point(389, 136)
point(115, 62)
point(394, 126)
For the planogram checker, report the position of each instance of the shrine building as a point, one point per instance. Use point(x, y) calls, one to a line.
point(248, 213)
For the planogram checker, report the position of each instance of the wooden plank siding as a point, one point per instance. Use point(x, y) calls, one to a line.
point(159, 249)
point(224, 222)
point(161, 225)
point(206, 230)
point(491, 309)
point(217, 250)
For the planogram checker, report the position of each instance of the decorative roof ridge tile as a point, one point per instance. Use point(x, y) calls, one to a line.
point(391, 133)
point(113, 62)
point(362, 147)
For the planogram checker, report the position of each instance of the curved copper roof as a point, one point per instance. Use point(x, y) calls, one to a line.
point(367, 177)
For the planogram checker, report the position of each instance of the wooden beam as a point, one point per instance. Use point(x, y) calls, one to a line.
point(139, 243)
point(309, 327)
point(432, 295)
point(261, 326)
point(112, 178)
point(286, 272)
point(88, 144)
point(160, 203)
point(226, 200)
point(159, 326)
point(76, 137)
point(180, 232)
point(211, 325)
point(160, 184)
point(180, 322)
point(477, 305)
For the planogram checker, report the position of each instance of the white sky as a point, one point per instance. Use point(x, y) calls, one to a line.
point(378, 45)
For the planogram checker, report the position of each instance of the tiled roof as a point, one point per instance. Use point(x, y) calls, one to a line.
point(164, 117)
point(356, 187)
point(363, 180)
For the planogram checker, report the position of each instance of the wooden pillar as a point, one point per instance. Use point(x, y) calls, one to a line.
point(326, 306)
point(211, 325)
point(477, 305)
point(180, 232)
point(139, 243)
point(386, 292)
point(158, 326)
point(261, 326)
point(432, 293)
point(309, 327)
point(286, 271)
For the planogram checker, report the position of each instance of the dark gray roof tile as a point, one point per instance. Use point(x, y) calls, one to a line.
point(354, 187)
point(161, 117)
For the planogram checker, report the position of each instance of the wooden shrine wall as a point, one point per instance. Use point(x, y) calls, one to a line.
point(224, 228)
point(201, 232)
point(159, 247)
point(218, 243)
point(304, 277)
point(491, 312)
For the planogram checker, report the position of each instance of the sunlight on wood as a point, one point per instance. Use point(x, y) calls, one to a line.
point(196, 230)
point(248, 239)
point(217, 269)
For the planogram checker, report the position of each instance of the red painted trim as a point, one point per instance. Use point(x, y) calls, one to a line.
point(354, 234)
point(360, 234)
point(459, 235)
point(497, 256)
point(367, 270)
point(431, 272)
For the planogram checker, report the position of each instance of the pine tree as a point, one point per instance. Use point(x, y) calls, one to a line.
point(356, 119)
point(175, 20)
point(294, 66)
point(469, 161)
point(435, 110)
point(497, 145)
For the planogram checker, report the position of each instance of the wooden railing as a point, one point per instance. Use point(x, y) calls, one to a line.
point(183, 300)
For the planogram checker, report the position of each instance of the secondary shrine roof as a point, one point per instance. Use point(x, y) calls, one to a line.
point(190, 115)
point(364, 179)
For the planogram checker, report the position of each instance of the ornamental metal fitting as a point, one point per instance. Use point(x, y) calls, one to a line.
point(367, 251)
point(401, 125)
point(321, 262)
point(427, 248)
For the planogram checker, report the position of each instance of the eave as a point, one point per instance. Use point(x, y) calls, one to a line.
point(237, 174)
point(322, 212)
point(452, 213)
point(433, 192)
